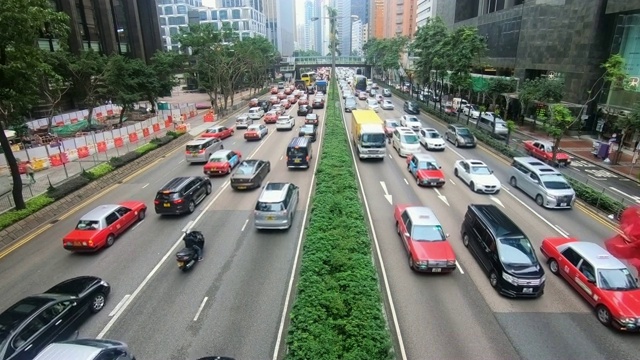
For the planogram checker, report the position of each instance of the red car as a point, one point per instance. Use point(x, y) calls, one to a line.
point(425, 170)
point(601, 279)
point(219, 132)
point(303, 100)
point(222, 162)
point(285, 104)
point(292, 99)
point(99, 227)
point(253, 102)
point(288, 91)
point(543, 150)
point(426, 244)
point(449, 110)
point(281, 96)
point(274, 90)
point(271, 117)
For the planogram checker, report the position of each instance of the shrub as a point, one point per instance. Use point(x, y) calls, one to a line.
point(337, 313)
point(118, 161)
point(174, 134)
point(98, 171)
point(34, 204)
point(67, 187)
point(162, 140)
point(146, 148)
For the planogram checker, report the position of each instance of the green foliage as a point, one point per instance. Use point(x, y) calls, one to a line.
point(146, 148)
point(304, 53)
point(499, 86)
point(67, 187)
point(98, 171)
point(337, 313)
point(127, 80)
point(385, 53)
point(162, 140)
point(559, 121)
point(174, 134)
point(32, 205)
point(614, 72)
point(596, 198)
point(119, 161)
point(428, 46)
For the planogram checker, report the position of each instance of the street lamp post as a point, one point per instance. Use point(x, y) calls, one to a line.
point(334, 37)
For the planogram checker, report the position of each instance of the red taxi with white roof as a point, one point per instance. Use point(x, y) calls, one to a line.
point(99, 227)
point(222, 162)
point(271, 117)
point(424, 240)
point(303, 100)
point(285, 103)
point(425, 170)
point(600, 278)
point(218, 132)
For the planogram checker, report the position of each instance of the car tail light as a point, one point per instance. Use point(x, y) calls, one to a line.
point(307, 158)
point(177, 201)
point(156, 202)
point(201, 151)
point(286, 158)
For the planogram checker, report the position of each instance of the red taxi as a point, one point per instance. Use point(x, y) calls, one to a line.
point(218, 132)
point(304, 100)
point(281, 96)
point(222, 162)
point(292, 99)
point(271, 117)
point(274, 90)
point(425, 170)
point(426, 244)
point(99, 227)
point(297, 93)
point(288, 91)
point(256, 132)
point(274, 99)
point(285, 104)
point(253, 102)
point(600, 278)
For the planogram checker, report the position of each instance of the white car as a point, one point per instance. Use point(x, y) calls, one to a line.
point(431, 139)
point(387, 105)
point(242, 121)
point(411, 121)
point(279, 109)
point(471, 110)
point(372, 104)
point(256, 113)
point(285, 123)
point(477, 175)
point(256, 132)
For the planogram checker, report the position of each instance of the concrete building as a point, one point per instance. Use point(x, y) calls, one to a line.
point(343, 25)
point(394, 18)
point(357, 39)
point(318, 26)
point(125, 27)
point(280, 24)
point(362, 10)
point(425, 9)
point(378, 20)
point(174, 15)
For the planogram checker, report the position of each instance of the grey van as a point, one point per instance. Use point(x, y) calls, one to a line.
point(199, 150)
point(541, 182)
point(86, 349)
point(486, 123)
point(276, 206)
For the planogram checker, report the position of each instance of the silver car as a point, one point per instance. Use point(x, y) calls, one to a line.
point(199, 150)
point(243, 121)
point(276, 206)
point(541, 182)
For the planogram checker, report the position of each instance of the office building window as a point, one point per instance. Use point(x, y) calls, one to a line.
point(160, 10)
point(203, 15)
point(235, 25)
point(245, 25)
point(181, 9)
point(87, 26)
point(216, 27)
point(235, 14)
point(224, 15)
point(163, 21)
point(173, 30)
point(120, 24)
point(168, 10)
point(214, 15)
point(177, 20)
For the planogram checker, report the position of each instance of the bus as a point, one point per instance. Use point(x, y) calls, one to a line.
point(309, 78)
point(360, 83)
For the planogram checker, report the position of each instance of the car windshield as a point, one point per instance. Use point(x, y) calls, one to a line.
point(269, 207)
point(463, 131)
point(480, 170)
point(516, 251)
point(427, 233)
point(391, 123)
point(88, 225)
point(428, 165)
point(307, 129)
point(433, 135)
point(616, 279)
point(372, 102)
point(212, 131)
point(410, 139)
point(296, 152)
point(311, 117)
point(350, 102)
point(245, 169)
point(217, 159)
point(373, 139)
point(555, 182)
point(412, 119)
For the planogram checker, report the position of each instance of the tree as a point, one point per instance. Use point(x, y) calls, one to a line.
point(385, 53)
point(163, 68)
point(87, 73)
point(22, 65)
point(427, 44)
point(511, 126)
point(55, 83)
point(556, 125)
point(497, 87)
point(627, 125)
point(126, 81)
point(304, 53)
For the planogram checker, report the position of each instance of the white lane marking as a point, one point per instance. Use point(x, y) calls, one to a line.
point(164, 258)
point(386, 192)
point(405, 181)
point(234, 143)
point(287, 298)
point(145, 185)
point(457, 153)
point(459, 268)
point(536, 214)
point(634, 198)
point(281, 157)
point(390, 157)
point(204, 301)
point(563, 231)
point(245, 225)
point(117, 308)
point(496, 200)
point(136, 225)
point(181, 161)
point(396, 324)
point(442, 197)
point(595, 178)
point(453, 182)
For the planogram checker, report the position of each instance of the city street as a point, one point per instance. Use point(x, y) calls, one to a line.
point(484, 325)
point(230, 304)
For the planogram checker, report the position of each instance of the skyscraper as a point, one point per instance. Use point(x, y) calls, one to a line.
point(281, 24)
point(310, 26)
point(361, 9)
point(357, 39)
point(343, 25)
point(318, 27)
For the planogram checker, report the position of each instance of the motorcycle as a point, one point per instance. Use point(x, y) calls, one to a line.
point(187, 257)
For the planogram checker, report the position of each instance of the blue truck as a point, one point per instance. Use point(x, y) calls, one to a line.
point(321, 86)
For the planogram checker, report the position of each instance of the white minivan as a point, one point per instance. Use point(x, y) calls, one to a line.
point(405, 141)
point(256, 113)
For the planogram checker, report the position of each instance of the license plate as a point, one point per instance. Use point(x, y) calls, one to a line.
point(432, 183)
point(270, 217)
point(167, 205)
point(436, 270)
point(76, 243)
point(563, 204)
point(296, 160)
point(180, 263)
point(194, 155)
point(242, 187)
point(527, 290)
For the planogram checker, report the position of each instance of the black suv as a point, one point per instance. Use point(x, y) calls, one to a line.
point(264, 105)
point(503, 251)
point(181, 195)
point(303, 110)
point(411, 107)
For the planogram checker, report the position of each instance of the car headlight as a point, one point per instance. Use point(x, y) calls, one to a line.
point(628, 321)
point(461, 140)
point(543, 279)
point(422, 263)
point(451, 262)
point(510, 279)
point(552, 197)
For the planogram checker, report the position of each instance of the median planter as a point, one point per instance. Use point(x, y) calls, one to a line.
point(337, 313)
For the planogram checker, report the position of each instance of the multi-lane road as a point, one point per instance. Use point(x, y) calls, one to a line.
point(460, 316)
point(230, 304)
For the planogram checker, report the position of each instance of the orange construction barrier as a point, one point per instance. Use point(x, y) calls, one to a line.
point(183, 117)
point(74, 120)
point(167, 124)
point(64, 157)
point(83, 152)
point(102, 146)
point(109, 112)
point(208, 117)
point(156, 127)
point(133, 137)
point(118, 142)
point(181, 128)
point(145, 132)
point(59, 123)
point(192, 113)
point(55, 160)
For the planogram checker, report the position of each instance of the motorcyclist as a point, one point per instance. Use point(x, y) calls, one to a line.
point(193, 240)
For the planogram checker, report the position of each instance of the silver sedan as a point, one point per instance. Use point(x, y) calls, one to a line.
point(387, 105)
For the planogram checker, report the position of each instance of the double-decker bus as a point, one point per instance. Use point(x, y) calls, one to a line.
point(309, 78)
point(360, 83)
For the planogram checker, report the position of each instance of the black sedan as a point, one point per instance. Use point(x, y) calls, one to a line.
point(303, 110)
point(317, 103)
point(264, 105)
point(36, 321)
point(250, 174)
point(309, 131)
point(312, 119)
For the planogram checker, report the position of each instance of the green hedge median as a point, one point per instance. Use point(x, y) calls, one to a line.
point(338, 312)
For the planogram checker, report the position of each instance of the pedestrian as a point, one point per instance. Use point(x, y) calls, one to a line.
point(30, 173)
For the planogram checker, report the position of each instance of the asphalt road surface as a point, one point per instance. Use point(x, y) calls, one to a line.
point(230, 304)
point(459, 315)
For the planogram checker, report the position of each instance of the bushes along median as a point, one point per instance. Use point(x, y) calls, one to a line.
point(337, 313)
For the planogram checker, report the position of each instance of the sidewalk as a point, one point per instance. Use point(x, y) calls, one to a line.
point(57, 174)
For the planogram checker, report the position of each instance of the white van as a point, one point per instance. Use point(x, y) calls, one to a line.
point(458, 103)
point(405, 141)
point(256, 113)
point(486, 123)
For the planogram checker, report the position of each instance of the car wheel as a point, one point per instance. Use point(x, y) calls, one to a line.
point(493, 280)
point(456, 143)
point(208, 189)
point(472, 186)
point(398, 227)
point(604, 315)
point(465, 240)
point(97, 302)
point(412, 264)
point(141, 215)
point(513, 182)
point(554, 267)
point(110, 240)
point(192, 207)
point(539, 200)
point(229, 170)
point(221, 146)
point(455, 172)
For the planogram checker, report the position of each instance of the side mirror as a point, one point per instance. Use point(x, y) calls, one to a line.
point(439, 167)
point(591, 280)
point(447, 235)
point(406, 234)
point(490, 171)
